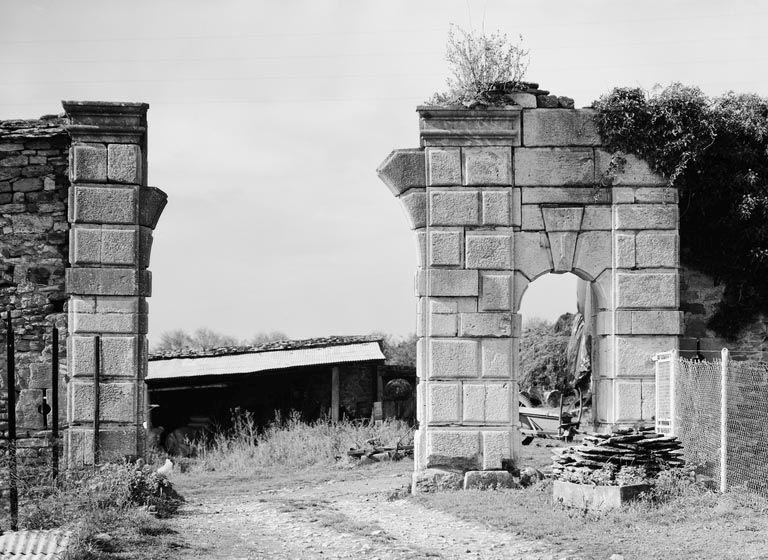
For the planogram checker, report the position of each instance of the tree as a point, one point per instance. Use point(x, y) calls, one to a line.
point(399, 351)
point(202, 339)
point(265, 337)
point(544, 355)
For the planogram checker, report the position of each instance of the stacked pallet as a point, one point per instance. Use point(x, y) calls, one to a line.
point(640, 448)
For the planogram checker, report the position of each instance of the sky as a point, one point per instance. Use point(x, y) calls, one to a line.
point(268, 120)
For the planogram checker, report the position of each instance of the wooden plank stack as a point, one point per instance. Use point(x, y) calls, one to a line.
point(629, 447)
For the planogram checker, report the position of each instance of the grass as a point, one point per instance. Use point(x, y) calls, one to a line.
point(691, 523)
point(289, 443)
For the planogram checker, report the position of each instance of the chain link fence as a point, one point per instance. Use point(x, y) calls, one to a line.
point(718, 409)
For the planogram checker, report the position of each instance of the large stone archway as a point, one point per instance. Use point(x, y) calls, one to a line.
point(497, 198)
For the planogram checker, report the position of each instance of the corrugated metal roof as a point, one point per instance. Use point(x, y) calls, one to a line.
point(34, 545)
point(263, 361)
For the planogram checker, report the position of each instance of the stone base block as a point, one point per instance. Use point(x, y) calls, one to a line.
point(115, 443)
point(489, 480)
point(436, 480)
point(595, 498)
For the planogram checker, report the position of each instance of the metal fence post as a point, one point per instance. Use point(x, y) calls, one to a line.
point(11, 384)
point(674, 364)
point(724, 420)
point(55, 403)
point(96, 398)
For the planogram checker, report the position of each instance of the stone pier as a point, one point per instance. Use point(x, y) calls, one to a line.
point(497, 198)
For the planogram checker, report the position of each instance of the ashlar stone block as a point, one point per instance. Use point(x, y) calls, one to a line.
point(453, 448)
point(532, 255)
point(117, 402)
point(489, 250)
point(635, 171)
point(101, 245)
point(554, 166)
point(443, 403)
point(485, 324)
point(560, 127)
point(656, 249)
point(498, 357)
point(119, 356)
point(414, 204)
point(625, 250)
point(657, 322)
point(593, 253)
point(566, 195)
point(89, 163)
point(634, 354)
point(496, 291)
point(563, 218)
point(452, 305)
point(454, 208)
point(453, 282)
point(498, 446)
point(444, 166)
point(445, 247)
point(124, 163)
point(473, 402)
point(403, 170)
point(597, 218)
point(487, 165)
point(453, 358)
point(563, 247)
point(443, 324)
point(532, 219)
point(646, 216)
point(496, 208)
point(114, 443)
point(102, 205)
point(647, 289)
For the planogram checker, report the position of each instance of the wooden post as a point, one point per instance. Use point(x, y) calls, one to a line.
point(335, 394)
point(724, 420)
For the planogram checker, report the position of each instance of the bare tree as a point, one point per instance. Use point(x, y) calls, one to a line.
point(265, 337)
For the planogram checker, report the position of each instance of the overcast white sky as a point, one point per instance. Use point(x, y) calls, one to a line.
point(268, 120)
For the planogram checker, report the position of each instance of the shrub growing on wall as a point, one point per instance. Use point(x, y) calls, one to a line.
point(716, 151)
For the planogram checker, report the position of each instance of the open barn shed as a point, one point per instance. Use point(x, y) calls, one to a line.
point(340, 376)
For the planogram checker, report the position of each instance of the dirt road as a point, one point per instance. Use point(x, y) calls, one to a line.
point(337, 514)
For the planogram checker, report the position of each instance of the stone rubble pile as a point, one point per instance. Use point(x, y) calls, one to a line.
point(601, 456)
point(525, 94)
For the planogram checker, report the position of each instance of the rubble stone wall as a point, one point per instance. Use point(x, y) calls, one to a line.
point(497, 198)
point(699, 298)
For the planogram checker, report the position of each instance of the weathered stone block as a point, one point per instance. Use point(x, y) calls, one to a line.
point(117, 402)
point(496, 291)
point(635, 171)
point(152, 201)
point(485, 324)
point(465, 127)
point(497, 446)
point(443, 324)
point(124, 163)
point(452, 305)
point(658, 249)
point(646, 216)
point(453, 358)
point(625, 250)
point(108, 281)
point(89, 163)
point(496, 210)
point(560, 127)
point(497, 358)
point(453, 282)
point(115, 443)
point(623, 195)
point(414, 205)
point(99, 245)
point(498, 403)
point(28, 184)
point(445, 247)
point(597, 218)
point(444, 166)
point(657, 322)
point(403, 170)
point(454, 208)
point(489, 250)
point(85, 245)
point(554, 166)
point(420, 282)
point(563, 218)
point(120, 323)
point(634, 353)
point(596, 498)
point(629, 400)
point(453, 448)
point(489, 480)
point(102, 205)
point(519, 285)
point(27, 416)
point(593, 253)
point(443, 402)
point(647, 290)
point(532, 256)
point(487, 166)
point(524, 100)
point(532, 219)
point(473, 402)
point(661, 195)
point(436, 480)
point(566, 195)
point(563, 246)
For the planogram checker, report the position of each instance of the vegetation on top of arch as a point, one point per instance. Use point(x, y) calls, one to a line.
point(715, 150)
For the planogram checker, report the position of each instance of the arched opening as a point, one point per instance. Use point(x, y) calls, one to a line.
point(558, 355)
